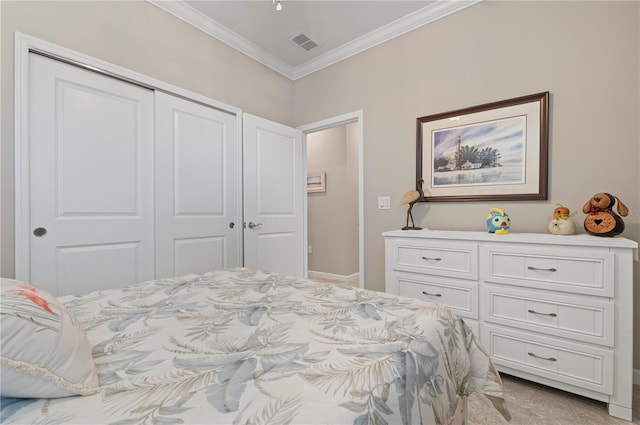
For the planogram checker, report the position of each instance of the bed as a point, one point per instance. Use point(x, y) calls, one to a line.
point(238, 346)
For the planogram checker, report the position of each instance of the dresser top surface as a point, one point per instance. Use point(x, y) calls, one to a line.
point(539, 238)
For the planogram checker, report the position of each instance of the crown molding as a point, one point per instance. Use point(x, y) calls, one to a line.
point(199, 20)
point(437, 10)
point(415, 20)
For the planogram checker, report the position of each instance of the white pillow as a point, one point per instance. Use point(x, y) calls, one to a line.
point(44, 351)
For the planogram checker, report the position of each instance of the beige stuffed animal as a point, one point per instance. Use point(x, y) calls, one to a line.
point(561, 223)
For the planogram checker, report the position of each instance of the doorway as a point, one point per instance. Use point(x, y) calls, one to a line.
point(334, 214)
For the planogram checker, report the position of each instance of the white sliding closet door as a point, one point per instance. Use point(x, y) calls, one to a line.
point(197, 189)
point(90, 179)
point(274, 194)
point(120, 183)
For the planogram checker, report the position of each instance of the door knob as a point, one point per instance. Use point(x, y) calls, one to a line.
point(39, 232)
point(251, 225)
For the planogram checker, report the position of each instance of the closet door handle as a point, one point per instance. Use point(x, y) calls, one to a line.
point(39, 232)
point(551, 359)
point(552, 269)
point(252, 225)
point(543, 314)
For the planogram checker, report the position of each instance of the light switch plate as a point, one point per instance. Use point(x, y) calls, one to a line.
point(384, 202)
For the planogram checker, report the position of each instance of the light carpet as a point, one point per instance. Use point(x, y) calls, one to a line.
point(535, 404)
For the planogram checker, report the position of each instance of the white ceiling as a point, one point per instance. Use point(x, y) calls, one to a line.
point(340, 28)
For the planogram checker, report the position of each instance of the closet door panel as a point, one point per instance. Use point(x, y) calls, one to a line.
point(117, 261)
point(191, 254)
point(90, 149)
point(196, 188)
point(90, 179)
point(199, 165)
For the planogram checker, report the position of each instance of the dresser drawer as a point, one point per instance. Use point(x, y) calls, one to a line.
point(581, 319)
point(581, 270)
point(459, 296)
point(575, 364)
point(442, 258)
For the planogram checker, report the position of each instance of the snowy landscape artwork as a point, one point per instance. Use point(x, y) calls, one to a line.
point(486, 153)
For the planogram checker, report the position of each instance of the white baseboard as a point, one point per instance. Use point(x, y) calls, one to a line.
point(332, 276)
point(636, 376)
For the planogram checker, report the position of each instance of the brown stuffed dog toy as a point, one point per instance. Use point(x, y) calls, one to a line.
point(602, 220)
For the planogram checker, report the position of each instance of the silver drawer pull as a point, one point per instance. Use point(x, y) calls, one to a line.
point(431, 295)
point(552, 269)
point(543, 314)
point(432, 258)
point(551, 359)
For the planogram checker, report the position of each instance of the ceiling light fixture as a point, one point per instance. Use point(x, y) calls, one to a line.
point(278, 4)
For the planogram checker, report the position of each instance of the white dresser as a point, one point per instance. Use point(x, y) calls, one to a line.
point(553, 309)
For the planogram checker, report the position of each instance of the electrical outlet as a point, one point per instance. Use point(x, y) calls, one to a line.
point(309, 250)
point(384, 202)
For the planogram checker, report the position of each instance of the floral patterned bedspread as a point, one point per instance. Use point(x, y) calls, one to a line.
point(244, 347)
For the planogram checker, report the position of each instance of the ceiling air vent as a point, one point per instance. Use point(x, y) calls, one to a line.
point(303, 41)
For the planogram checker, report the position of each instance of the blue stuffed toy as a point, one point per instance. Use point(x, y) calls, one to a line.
point(498, 221)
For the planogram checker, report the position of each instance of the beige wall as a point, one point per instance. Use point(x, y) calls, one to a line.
point(143, 38)
point(333, 215)
point(586, 54)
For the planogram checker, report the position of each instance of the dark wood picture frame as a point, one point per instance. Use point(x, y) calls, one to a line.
point(459, 158)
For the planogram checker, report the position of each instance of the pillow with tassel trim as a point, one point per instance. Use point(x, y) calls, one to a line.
point(44, 351)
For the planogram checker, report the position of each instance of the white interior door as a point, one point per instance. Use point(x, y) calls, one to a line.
point(91, 179)
point(274, 192)
point(197, 188)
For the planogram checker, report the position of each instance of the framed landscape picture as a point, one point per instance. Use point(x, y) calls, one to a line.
point(316, 181)
point(496, 151)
